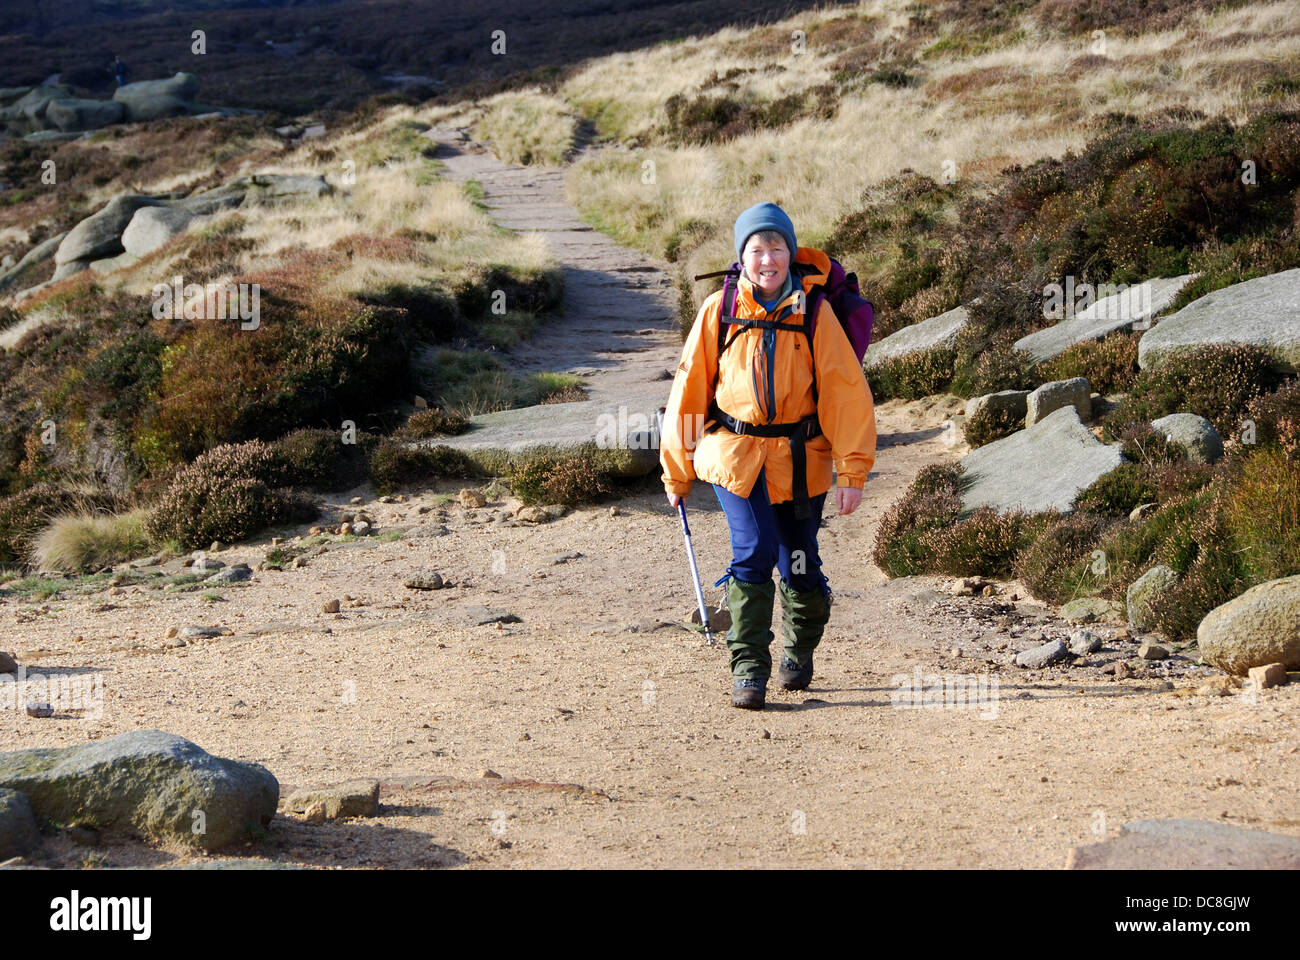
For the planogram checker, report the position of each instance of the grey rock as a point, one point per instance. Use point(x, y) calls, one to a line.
point(100, 235)
point(1260, 627)
point(36, 255)
point(505, 439)
point(1153, 651)
point(7, 663)
point(152, 227)
point(40, 710)
point(110, 264)
point(1012, 402)
point(424, 580)
point(1264, 312)
point(63, 270)
point(1084, 642)
point(1051, 397)
point(1042, 467)
point(1051, 652)
point(211, 201)
point(1144, 590)
point(1091, 609)
point(236, 573)
point(1112, 313)
point(197, 631)
point(934, 333)
point(148, 782)
point(18, 833)
point(1187, 845)
point(73, 115)
point(277, 186)
point(356, 798)
point(1195, 435)
point(182, 85)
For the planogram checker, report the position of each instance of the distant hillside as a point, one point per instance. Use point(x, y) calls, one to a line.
point(316, 56)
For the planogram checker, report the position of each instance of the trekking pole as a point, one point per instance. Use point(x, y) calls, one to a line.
point(690, 550)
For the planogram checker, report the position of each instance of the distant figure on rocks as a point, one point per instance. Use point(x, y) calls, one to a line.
point(119, 70)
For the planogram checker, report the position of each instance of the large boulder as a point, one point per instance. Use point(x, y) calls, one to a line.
point(1050, 397)
point(18, 833)
point(100, 234)
point(73, 115)
point(151, 227)
point(1146, 589)
point(183, 86)
point(1118, 311)
point(1264, 312)
point(1042, 467)
point(146, 781)
point(1194, 435)
point(937, 332)
point(1259, 627)
point(210, 201)
point(278, 186)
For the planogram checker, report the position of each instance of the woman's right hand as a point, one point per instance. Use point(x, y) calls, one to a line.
point(673, 500)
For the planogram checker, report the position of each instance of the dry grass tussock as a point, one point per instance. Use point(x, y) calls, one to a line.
point(86, 542)
point(1030, 95)
point(395, 191)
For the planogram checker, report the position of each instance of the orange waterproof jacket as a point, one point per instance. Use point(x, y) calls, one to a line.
point(845, 411)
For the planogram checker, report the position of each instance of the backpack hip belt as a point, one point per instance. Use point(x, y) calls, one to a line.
point(796, 432)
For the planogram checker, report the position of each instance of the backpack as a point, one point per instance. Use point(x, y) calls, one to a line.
point(854, 312)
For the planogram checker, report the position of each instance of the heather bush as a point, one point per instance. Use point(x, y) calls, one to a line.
point(1143, 443)
point(1116, 493)
point(1049, 564)
point(989, 362)
point(989, 424)
point(913, 376)
point(1110, 364)
point(434, 422)
point(1215, 382)
point(228, 494)
point(931, 503)
point(573, 479)
point(1276, 417)
point(983, 544)
point(394, 464)
point(320, 460)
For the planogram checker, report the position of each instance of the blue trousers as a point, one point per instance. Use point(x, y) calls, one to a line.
point(766, 535)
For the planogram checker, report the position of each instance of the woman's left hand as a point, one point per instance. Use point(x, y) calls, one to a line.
point(847, 499)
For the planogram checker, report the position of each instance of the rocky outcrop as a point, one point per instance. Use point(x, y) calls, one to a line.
point(1264, 312)
point(147, 782)
point(1042, 467)
point(935, 333)
point(1194, 435)
point(1260, 627)
point(1119, 311)
point(100, 234)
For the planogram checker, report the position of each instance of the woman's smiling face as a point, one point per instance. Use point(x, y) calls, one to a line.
point(766, 264)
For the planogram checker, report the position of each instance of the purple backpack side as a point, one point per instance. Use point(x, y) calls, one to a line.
point(855, 312)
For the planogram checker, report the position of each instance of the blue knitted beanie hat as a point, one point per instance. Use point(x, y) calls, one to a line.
point(764, 216)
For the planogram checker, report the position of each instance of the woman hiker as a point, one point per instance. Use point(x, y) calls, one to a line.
point(766, 379)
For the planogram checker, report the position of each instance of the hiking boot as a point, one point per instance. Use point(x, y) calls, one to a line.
point(750, 636)
point(803, 619)
point(749, 693)
point(793, 676)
